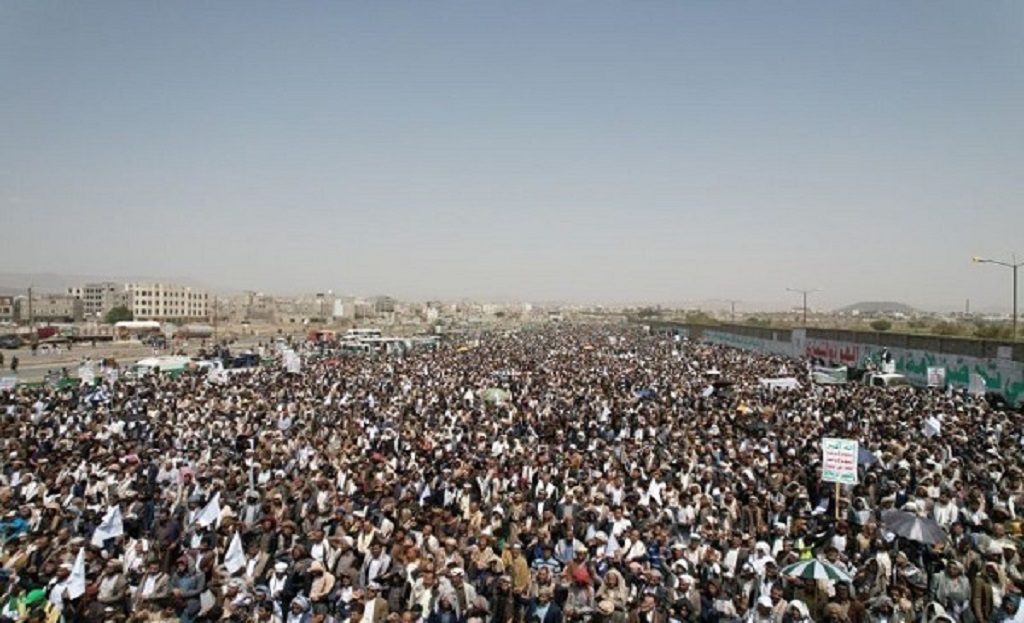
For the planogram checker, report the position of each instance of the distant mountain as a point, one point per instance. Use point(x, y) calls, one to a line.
point(878, 307)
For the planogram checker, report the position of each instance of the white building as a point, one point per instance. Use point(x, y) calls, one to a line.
point(99, 298)
point(165, 301)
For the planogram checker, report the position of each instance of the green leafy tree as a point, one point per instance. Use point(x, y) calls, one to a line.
point(991, 330)
point(881, 325)
point(700, 318)
point(118, 314)
point(949, 328)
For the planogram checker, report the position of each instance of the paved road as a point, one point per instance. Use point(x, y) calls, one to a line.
point(33, 368)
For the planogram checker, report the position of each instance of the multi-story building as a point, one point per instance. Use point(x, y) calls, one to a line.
point(6, 309)
point(311, 308)
point(344, 309)
point(100, 298)
point(256, 306)
point(165, 301)
point(48, 308)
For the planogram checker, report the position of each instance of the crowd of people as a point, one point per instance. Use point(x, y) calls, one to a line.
point(585, 474)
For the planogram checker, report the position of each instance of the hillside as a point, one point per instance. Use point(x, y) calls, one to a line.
point(878, 307)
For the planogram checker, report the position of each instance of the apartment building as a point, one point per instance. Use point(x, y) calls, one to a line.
point(48, 308)
point(100, 298)
point(165, 301)
point(7, 309)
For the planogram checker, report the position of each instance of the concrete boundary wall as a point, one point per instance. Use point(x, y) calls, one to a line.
point(747, 342)
point(999, 364)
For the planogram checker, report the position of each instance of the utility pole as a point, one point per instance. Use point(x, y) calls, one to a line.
point(1013, 265)
point(732, 309)
point(31, 319)
point(804, 293)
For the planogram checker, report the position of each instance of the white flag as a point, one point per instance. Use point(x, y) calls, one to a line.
point(109, 528)
point(210, 512)
point(976, 385)
point(612, 548)
point(235, 558)
point(206, 601)
point(76, 581)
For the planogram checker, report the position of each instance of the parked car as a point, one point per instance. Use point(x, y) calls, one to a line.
point(156, 341)
point(11, 341)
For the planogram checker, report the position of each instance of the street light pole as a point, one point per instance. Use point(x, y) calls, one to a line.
point(215, 319)
point(1013, 265)
point(732, 309)
point(804, 293)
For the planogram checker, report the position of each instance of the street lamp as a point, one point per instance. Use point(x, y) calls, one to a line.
point(804, 293)
point(215, 310)
point(732, 309)
point(1013, 265)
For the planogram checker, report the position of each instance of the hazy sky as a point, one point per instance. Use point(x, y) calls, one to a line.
point(580, 150)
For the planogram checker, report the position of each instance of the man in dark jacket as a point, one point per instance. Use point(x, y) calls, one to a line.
point(187, 584)
point(545, 610)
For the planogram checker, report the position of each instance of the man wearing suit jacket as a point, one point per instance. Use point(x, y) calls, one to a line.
point(544, 610)
point(375, 607)
point(187, 584)
point(463, 594)
point(154, 588)
point(256, 561)
point(647, 612)
point(376, 565)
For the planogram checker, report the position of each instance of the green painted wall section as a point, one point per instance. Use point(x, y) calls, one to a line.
point(1001, 375)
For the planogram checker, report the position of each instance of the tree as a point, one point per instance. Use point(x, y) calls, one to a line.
point(949, 328)
point(118, 314)
point(991, 330)
point(881, 325)
point(700, 318)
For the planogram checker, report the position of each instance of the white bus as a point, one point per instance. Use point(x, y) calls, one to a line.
point(355, 335)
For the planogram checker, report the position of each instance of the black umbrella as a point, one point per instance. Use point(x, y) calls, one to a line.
point(913, 527)
point(865, 456)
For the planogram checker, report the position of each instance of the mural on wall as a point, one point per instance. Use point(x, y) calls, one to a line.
point(1001, 375)
point(843, 353)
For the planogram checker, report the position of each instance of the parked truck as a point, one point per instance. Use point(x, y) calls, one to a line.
point(194, 332)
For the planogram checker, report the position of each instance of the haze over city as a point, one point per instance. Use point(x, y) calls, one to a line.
point(593, 152)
